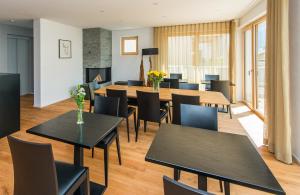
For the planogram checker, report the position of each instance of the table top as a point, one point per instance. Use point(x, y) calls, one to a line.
point(165, 94)
point(64, 128)
point(228, 157)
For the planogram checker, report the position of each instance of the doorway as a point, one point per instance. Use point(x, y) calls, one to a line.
point(254, 65)
point(20, 60)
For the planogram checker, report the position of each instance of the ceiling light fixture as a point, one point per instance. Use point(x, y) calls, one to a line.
point(12, 20)
point(101, 11)
point(155, 3)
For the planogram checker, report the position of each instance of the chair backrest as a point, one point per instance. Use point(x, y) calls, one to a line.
point(175, 76)
point(174, 83)
point(135, 83)
point(123, 100)
point(190, 86)
point(182, 99)
point(164, 84)
point(106, 105)
point(199, 116)
point(172, 187)
point(87, 91)
point(210, 77)
point(148, 106)
point(34, 168)
point(221, 86)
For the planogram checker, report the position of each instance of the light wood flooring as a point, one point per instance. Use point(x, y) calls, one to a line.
point(135, 176)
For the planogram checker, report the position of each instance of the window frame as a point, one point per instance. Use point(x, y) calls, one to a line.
point(253, 26)
point(123, 40)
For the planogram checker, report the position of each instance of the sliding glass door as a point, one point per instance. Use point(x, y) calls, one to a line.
point(248, 67)
point(254, 65)
point(260, 57)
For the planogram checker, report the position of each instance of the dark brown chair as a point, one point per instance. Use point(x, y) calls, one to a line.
point(174, 83)
point(124, 110)
point(36, 172)
point(133, 101)
point(190, 86)
point(149, 109)
point(88, 88)
point(135, 83)
point(172, 187)
point(164, 84)
point(224, 88)
point(182, 99)
point(108, 106)
point(176, 76)
point(210, 77)
point(199, 117)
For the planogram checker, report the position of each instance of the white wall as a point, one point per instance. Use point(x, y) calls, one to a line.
point(54, 77)
point(12, 30)
point(255, 13)
point(295, 72)
point(127, 67)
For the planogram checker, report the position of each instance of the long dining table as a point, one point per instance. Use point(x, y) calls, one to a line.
point(165, 94)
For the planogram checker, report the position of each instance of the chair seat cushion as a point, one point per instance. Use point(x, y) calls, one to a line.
point(67, 175)
point(109, 138)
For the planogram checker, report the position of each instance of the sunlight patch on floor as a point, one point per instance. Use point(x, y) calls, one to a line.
point(240, 110)
point(254, 127)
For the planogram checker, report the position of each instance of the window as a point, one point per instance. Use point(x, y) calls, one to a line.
point(197, 55)
point(254, 65)
point(129, 45)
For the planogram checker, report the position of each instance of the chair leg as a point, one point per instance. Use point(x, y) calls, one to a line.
point(134, 118)
point(221, 185)
point(86, 184)
point(137, 130)
point(145, 125)
point(92, 152)
point(90, 110)
point(106, 165)
point(118, 149)
point(169, 110)
point(229, 110)
point(127, 123)
point(167, 119)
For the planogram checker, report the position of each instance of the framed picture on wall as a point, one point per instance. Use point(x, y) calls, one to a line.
point(65, 48)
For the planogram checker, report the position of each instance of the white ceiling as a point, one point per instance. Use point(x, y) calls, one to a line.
point(124, 14)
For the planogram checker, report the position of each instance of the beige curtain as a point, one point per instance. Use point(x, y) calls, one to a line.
point(232, 61)
point(193, 50)
point(277, 116)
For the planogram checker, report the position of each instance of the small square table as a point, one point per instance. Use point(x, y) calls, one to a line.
point(64, 128)
point(227, 157)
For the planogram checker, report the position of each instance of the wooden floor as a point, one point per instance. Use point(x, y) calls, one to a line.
point(135, 176)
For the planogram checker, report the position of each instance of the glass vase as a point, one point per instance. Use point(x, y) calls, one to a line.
point(155, 85)
point(79, 116)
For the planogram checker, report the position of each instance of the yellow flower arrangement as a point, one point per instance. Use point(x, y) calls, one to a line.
point(156, 77)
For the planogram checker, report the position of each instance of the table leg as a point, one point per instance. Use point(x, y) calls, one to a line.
point(78, 156)
point(95, 188)
point(227, 188)
point(202, 182)
point(78, 161)
point(176, 174)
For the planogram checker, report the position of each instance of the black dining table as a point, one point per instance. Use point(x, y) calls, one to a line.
point(65, 129)
point(227, 157)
